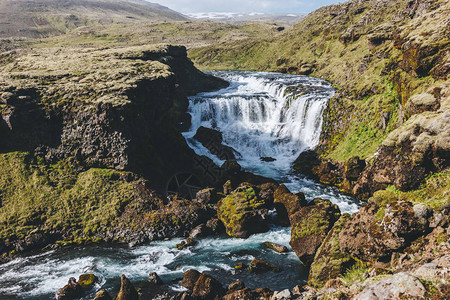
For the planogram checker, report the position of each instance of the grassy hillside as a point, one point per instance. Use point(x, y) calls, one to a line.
point(376, 53)
point(40, 18)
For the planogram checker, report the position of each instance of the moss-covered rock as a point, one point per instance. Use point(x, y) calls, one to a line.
point(87, 281)
point(276, 247)
point(330, 262)
point(243, 213)
point(259, 266)
point(310, 226)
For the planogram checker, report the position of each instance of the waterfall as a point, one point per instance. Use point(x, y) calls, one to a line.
point(263, 115)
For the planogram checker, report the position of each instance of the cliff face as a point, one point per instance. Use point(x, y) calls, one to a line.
point(87, 136)
point(109, 109)
point(381, 56)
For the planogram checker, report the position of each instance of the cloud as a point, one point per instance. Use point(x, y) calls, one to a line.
point(271, 6)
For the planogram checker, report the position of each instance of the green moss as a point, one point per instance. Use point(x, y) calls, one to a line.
point(56, 197)
point(433, 192)
point(354, 274)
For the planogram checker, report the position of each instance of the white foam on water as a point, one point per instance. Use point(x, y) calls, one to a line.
point(265, 114)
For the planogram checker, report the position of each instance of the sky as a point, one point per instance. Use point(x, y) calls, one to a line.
point(266, 6)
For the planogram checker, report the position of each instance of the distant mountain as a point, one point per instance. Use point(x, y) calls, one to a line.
point(239, 18)
point(41, 18)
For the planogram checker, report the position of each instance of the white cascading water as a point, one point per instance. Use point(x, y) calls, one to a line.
point(259, 115)
point(273, 115)
point(263, 115)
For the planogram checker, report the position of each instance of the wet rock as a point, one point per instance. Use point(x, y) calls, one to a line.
point(201, 231)
point(102, 295)
point(306, 162)
point(267, 159)
point(189, 242)
point(154, 279)
point(208, 196)
point(330, 262)
point(401, 285)
point(235, 286)
point(240, 266)
point(207, 288)
point(243, 213)
point(282, 295)
point(216, 226)
point(310, 226)
point(87, 281)
point(190, 277)
point(127, 290)
point(212, 140)
point(259, 266)
point(287, 204)
point(376, 232)
point(266, 193)
point(70, 291)
point(276, 247)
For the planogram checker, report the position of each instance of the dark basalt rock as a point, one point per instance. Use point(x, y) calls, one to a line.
point(127, 290)
point(235, 286)
point(287, 204)
point(268, 159)
point(207, 288)
point(72, 290)
point(306, 162)
point(154, 279)
point(259, 266)
point(212, 140)
point(190, 277)
point(208, 196)
point(102, 295)
point(276, 247)
point(242, 294)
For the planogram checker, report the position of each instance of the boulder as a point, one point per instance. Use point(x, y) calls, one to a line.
point(262, 293)
point(353, 168)
point(72, 290)
point(243, 213)
point(399, 286)
point(127, 290)
point(235, 286)
point(266, 193)
point(287, 204)
point(208, 196)
point(282, 295)
point(190, 277)
point(189, 242)
point(259, 266)
point(212, 140)
point(276, 247)
point(306, 162)
point(421, 103)
point(215, 226)
point(207, 288)
point(201, 231)
point(103, 295)
point(242, 294)
point(87, 281)
point(154, 279)
point(330, 262)
point(310, 225)
point(376, 232)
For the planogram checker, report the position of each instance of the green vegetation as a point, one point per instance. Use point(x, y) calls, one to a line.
point(355, 273)
point(35, 194)
point(352, 46)
point(434, 192)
